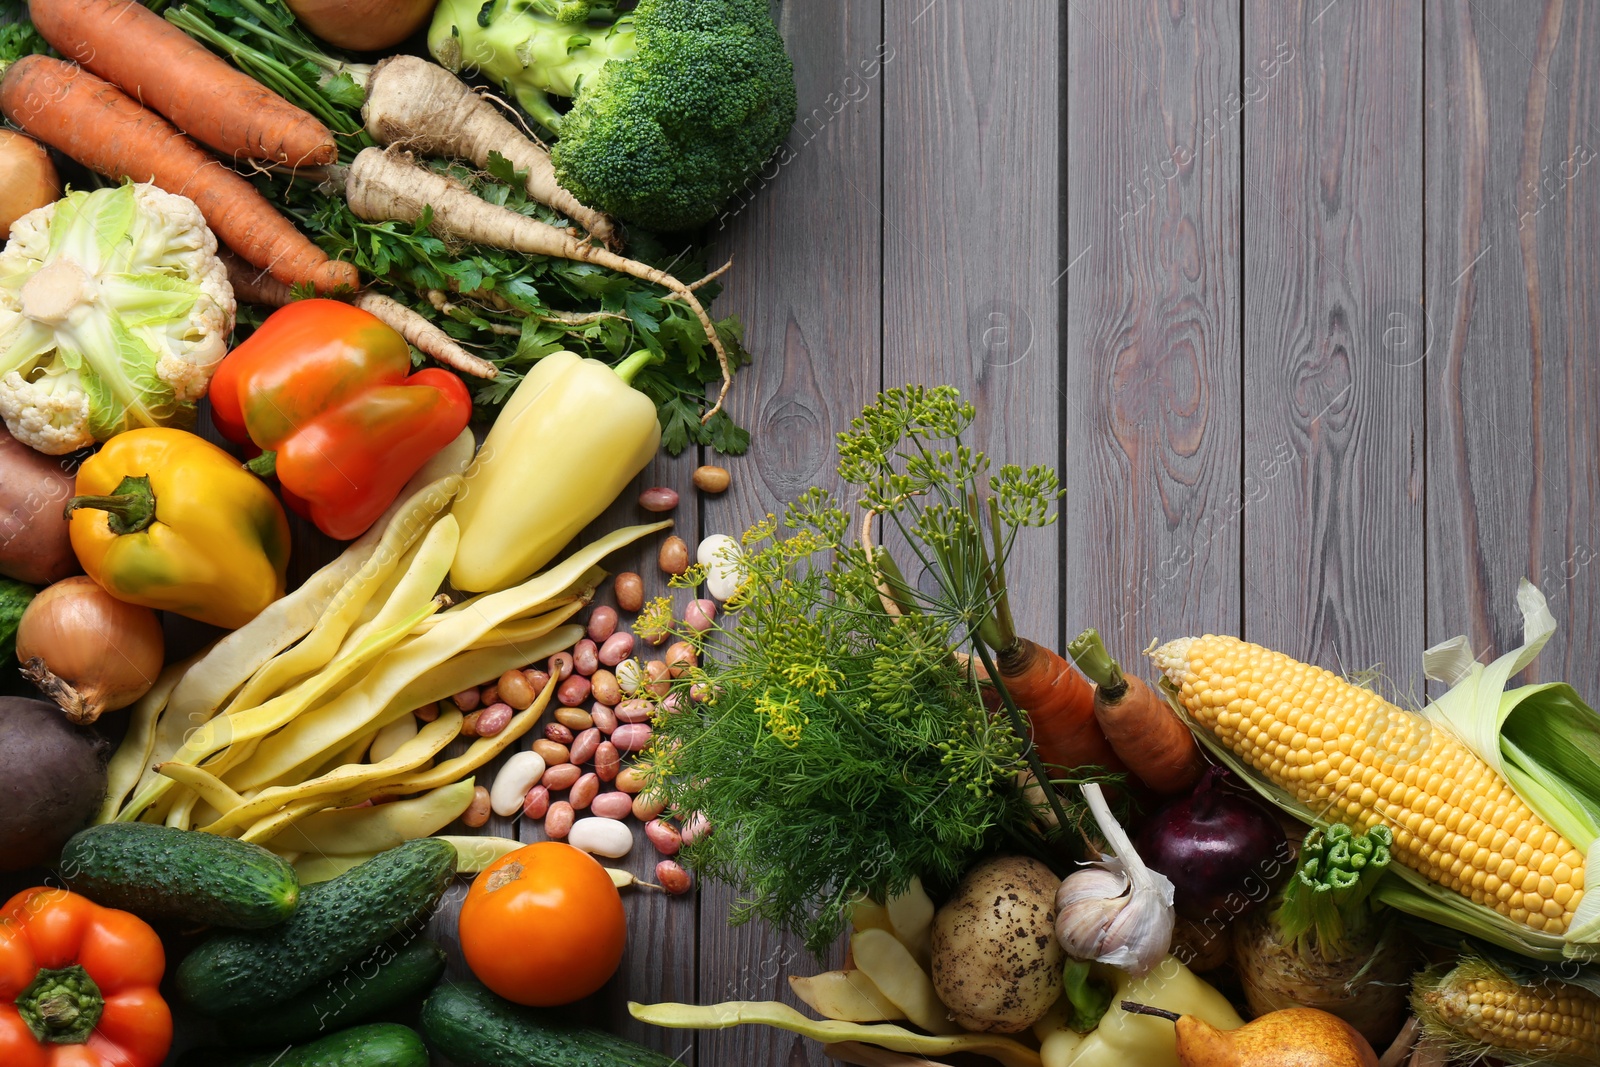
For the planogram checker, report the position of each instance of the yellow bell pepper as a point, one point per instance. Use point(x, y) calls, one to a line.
point(571, 438)
point(1123, 1038)
point(169, 520)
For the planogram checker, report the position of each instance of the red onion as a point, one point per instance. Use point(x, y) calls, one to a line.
point(1221, 848)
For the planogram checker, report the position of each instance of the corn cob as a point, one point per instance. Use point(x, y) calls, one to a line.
point(1350, 756)
point(1477, 1010)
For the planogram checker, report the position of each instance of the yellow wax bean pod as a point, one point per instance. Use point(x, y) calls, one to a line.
point(895, 971)
point(421, 575)
point(379, 827)
point(849, 996)
point(429, 742)
point(231, 662)
point(202, 784)
point(885, 1035)
point(313, 869)
point(221, 732)
point(911, 921)
point(128, 762)
point(363, 703)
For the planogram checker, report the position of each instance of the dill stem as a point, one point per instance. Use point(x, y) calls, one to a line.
point(1020, 725)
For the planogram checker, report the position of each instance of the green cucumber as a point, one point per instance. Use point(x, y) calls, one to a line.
point(385, 979)
point(473, 1027)
point(338, 922)
point(158, 872)
point(374, 1045)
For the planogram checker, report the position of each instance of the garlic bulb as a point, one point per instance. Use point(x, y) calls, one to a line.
point(1117, 911)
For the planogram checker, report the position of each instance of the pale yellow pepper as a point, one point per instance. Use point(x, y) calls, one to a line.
point(1124, 1039)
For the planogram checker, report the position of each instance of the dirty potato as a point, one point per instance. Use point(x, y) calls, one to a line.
point(996, 963)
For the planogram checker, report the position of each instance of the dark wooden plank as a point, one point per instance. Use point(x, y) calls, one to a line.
point(970, 202)
point(1513, 281)
point(806, 262)
point(1334, 336)
point(1151, 262)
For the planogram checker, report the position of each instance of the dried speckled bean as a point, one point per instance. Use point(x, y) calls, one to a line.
point(558, 820)
point(574, 719)
point(657, 678)
point(537, 679)
point(605, 718)
point(612, 806)
point(648, 805)
point(561, 776)
point(536, 803)
point(427, 713)
point(602, 623)
point(679, 657)
point(584, 790)
point(558, 733)
point(629, 589)
point(659, 499)
point(694, 828)
point(560, 666)
point(553, 752)
point(584, 745)
point(700, 614)
point(607, 761)
point(674, 555)
point(672, 878)
point(616, 648)
point(515, 690)
point(711, 478)
point(493, 719)
point(477, 812)
point(489, 694)
point(664, 836)
point(573, 691)
point(603, 685)
point(635, 710)
point(469, 725)
point(466, 700)
point(631, 779)
point(585, 657)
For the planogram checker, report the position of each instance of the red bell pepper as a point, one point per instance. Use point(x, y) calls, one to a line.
point(78, 985)
point(328, 388)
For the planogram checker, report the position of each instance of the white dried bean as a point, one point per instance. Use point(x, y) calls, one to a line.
point(516, 777)
point(602, 837)
point(724, 562)
point(391, 737)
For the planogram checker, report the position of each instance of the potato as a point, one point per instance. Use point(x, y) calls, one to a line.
point(996, 963)
point(34, 490)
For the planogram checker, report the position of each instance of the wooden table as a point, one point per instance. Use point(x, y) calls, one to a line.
point(1300, 297)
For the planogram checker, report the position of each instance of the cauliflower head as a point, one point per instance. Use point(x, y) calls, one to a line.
point(114, 312)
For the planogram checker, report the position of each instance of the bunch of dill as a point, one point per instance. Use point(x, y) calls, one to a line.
point(833, 737)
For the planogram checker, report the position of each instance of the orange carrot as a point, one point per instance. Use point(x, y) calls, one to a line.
point(169, 72)
point(1059, 703)
point(101, 127)
point(1139, 724)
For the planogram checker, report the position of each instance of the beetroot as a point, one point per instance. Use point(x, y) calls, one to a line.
point(52, 779)
point(1222, 849)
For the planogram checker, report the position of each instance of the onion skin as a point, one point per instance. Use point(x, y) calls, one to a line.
point(28, 179)
point(87, 650)
point(35, 546)
point(362, 25)
point(1222, 850)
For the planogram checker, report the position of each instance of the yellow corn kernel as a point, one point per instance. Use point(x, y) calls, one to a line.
point(1455, 820)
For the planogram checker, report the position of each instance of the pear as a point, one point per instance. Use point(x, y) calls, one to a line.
point(1293, 1037)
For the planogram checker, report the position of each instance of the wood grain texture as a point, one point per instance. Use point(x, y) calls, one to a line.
point(970, 201)
point(806, 263)
point(1334, 337)
point(1513, 220)
point(1152, 402)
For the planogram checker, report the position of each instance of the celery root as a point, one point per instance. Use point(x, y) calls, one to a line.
point(384, 186)
point(420, 106)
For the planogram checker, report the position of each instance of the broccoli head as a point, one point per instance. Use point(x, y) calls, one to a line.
point(675, 104)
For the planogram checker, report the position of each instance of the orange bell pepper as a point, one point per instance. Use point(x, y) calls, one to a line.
point(78, 985)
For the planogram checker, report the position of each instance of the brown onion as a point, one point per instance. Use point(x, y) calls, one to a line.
point(87, 650)
point(27, 178)
point(362, 25)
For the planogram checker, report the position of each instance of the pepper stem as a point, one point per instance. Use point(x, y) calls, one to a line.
point(1145, 1009)
point(630, 367)
point(1089, 653)
point(61, 1006)
point(131, 507)
point(264, 465)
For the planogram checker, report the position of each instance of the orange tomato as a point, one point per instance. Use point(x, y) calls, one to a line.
point(543, 925)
